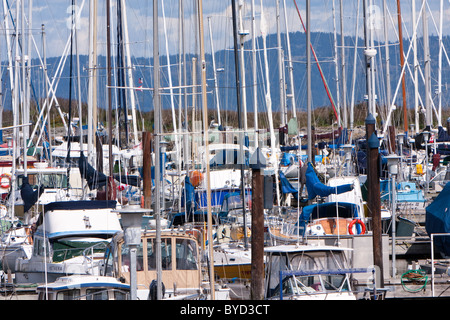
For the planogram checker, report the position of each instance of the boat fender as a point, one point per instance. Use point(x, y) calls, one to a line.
point(152, 293)
point(358, 221)
point(3, 177)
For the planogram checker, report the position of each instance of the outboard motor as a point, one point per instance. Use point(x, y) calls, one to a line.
point(153, 293)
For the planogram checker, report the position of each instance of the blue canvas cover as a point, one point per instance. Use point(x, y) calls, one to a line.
point(437, 219)
point(317, 188)
point(286, 186)
point(328, 210)
point(29, 195)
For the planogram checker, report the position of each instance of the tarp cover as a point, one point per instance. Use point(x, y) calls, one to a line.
point(317, 188)
point(94, 178)
point(437, 219)
point(29, 195)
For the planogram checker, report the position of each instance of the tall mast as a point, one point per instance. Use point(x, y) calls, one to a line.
point(205, 125)
point(216, 88)
point(336, 68)
point(402, 63)
point(280, 69)
point(126, 43)
point(427, 60)
point(157, 131)
point(255, 80)
point(416, 69)
point(108, 71)
point(239, 109)
point(92, 94)
point(344, 78)
point(308, 79)
point(386, 48)
point(291, 94)
point(439, 91)
point(242, 34)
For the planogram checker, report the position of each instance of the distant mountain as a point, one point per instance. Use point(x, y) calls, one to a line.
point(322, 44)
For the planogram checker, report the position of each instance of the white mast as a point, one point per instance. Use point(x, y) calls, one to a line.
point(215, 71)
point(206, 137)
point(280, 69)
point(242, 34)
point(416, 67)
point(92, 89)
point(129, 67)
point(427, 61)
point(439, 91)
point(169, 74)
point(255, 80)
point(291, 94)
point(336, 68)
point(344, 78)
point(273, 159)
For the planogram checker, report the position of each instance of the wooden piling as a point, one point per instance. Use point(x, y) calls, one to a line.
point(374, 199)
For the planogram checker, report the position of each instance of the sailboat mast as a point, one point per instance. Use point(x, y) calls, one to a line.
point(157, 130)
point(238, 97)
point(108, 71)
point(308, 79)
point(427, 61)
point(344, 76)
point(336, 68)
point(205, 125)
point(291, 94)
point(402, 63)
point(255, 80)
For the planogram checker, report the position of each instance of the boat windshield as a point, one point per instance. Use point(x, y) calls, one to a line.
point(317, 274)
point(184, 256)
point(49, 181)
point(318, 261)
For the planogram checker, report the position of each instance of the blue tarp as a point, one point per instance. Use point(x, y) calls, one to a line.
point(286, 186)
point(437, 219)
point(328, 210)
point(288, 159)
point(317, 188)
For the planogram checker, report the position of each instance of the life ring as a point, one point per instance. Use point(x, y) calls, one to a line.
point(325, 160)
point(3, 184)
point(360, 222)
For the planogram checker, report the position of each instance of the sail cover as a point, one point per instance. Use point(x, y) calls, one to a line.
point(94, 178)
point(316, 188)
point(286, 186)
point(437, 219)
point(29, 195)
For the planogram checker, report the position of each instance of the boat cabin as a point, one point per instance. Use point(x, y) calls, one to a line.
point(307, 272)
point(84, 288)
point(180, 259)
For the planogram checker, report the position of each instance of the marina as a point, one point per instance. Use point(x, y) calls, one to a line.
point(155, 178)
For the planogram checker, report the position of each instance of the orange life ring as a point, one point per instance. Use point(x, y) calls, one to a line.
point(360, 222)
point(7, 184)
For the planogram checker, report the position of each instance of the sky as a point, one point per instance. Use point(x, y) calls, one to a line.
point(55, 15)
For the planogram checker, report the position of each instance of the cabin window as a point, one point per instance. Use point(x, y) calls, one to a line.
point(186, 254)
point(50, 181)
point(38, 248)
point(120, 295)
point(126, 258)
point(96, 294)
point(68, 295)
point(166, 254)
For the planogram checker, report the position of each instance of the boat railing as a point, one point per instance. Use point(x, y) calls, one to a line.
point(88, 253)
point(346, 271)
